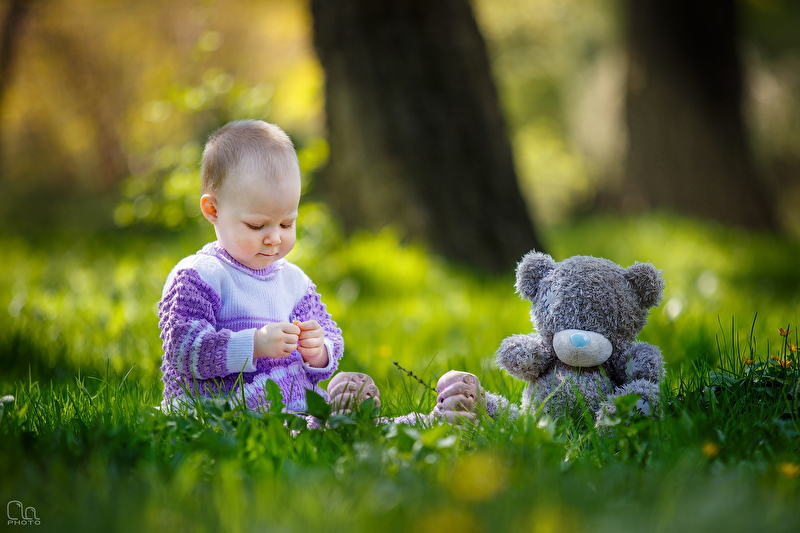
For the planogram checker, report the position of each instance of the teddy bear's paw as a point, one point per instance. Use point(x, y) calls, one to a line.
point(460, 398)
point(609, 414)
point(347, 390)
point(524, 356)
point(642, 407)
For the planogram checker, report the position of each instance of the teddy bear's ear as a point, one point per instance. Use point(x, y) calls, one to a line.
point(646, 282)
point(530, 271)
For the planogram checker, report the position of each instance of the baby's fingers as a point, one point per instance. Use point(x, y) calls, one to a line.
point(290, 342)
point(310, 342)
point(308, 325)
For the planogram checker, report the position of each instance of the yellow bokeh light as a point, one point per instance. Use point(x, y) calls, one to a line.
point(477, 477)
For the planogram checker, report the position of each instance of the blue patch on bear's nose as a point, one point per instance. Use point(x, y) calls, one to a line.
point(579, 340)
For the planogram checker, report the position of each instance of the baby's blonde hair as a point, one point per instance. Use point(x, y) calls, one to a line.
point(247, 146)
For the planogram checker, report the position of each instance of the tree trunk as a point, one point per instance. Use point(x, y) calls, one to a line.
point(687, 149)
point(416, 135)
point(12, 24)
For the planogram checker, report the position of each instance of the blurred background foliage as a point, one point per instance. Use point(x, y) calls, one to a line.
point(106, 106)
point(109, 103)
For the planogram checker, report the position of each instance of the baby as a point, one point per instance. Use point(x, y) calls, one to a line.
point(237, 307)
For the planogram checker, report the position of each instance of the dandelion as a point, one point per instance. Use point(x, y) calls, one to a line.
point(790, 470)
point(784, 363)
point(710, 449)
point(792, 348)
point(748, 362)
point(784, 332)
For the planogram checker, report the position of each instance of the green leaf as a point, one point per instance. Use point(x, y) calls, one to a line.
point(341, 420)
point(432, 437)
point(274, 396)
point(317, 406)
point(625, 403)
point(721, 378)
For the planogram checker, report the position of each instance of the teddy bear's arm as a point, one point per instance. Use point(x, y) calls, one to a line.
point(525, 357)
point(644, 361)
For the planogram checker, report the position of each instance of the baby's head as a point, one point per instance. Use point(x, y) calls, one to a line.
point(251, 191)
point(248, 148)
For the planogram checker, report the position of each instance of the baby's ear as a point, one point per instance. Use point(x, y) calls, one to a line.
point(646, 282)
point(208, 206)
point(530, 271)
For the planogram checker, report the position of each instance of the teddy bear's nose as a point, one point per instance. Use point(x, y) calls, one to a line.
point(579, 340)
point(577, 347)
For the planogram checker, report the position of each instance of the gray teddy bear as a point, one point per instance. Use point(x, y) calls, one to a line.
point(587, 313)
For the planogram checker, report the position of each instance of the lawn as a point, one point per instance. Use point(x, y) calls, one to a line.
point(82, 445)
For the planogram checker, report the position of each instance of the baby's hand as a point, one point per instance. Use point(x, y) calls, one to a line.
point(276, 340)
point(311, 343)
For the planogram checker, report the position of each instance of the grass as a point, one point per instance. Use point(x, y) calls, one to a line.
point(82, 444)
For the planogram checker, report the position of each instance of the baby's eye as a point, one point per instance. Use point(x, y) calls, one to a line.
point(287, 226)
point(253, 227)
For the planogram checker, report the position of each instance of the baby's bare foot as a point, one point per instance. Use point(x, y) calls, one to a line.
point(460, 397)
point(347, 390)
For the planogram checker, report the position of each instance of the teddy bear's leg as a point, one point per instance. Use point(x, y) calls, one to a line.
point(460, 398)
point(347, 390)
point(648, 404)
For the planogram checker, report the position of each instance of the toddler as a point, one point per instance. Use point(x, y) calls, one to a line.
point(237, 307)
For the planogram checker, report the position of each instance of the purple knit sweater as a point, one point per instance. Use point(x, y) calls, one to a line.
point(209, 311)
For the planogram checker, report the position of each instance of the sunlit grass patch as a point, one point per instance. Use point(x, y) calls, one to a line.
point(81, 437)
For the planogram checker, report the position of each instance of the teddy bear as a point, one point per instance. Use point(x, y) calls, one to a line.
point(586, 313)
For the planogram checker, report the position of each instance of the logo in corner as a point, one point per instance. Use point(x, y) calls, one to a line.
point(19, 515)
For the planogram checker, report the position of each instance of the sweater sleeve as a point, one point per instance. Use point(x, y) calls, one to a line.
point(310, 307)
point(191, 342)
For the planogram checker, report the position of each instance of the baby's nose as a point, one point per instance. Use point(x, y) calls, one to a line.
point(272, 237)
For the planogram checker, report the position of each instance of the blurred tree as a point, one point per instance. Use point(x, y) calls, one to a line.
point(14, 17)
point(105, 112)
point(687, 147)
point(415, 130)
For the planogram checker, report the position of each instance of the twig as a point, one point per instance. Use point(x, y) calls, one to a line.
point(413, 376)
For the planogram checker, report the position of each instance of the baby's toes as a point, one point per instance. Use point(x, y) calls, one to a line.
point(460, 384)
point(348, 389)
point(453, 377)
